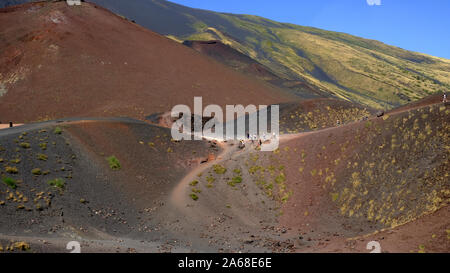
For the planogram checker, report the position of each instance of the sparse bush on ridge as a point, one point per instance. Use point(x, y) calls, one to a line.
point(114, 163)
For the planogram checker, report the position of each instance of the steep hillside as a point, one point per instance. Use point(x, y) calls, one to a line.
point(243, 63)
point(60, 61)
point(336, 187)
point(329, 190)
point(350, 67)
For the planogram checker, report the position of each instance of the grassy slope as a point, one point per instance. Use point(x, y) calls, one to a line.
point(354, 68)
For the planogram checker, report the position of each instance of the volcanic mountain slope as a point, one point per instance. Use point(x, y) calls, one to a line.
point(323, 190)
point(243, 63)
point(361, 70)
point(59, 179)
point(379, 173)
point(60, 61)
point(337, 187)
point(117, 184)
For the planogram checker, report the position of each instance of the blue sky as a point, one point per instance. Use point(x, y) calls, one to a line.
point(418, 25)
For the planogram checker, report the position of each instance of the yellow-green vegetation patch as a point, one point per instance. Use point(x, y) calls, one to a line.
point(280, 178)
point(42, 157)
point(194, 196)
point(25, 145)
point(43, 146)
point(235, 180)
point(285, 197)
point(36, 171)
point(114, 163)
point(10, 182)
point(9, 169)
point(57, 130)
point(421, 249)
point(334, 196)
point(218, 169)
point(57, 182)
point(193, 183)
point(210, 180)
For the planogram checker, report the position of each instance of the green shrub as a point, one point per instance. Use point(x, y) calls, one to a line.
point(42, 157)
point(210, 179)
point(235, 180)
point(16, 161)
point(114, 163)
point(193, 196)
point(280, 179)
point(218, 169)
point(193, 183)
point(11, 169)
point(57, 182)
point(57, 131)
point(10, 182)
point(43, 146)
point(25, 145)
point(36, 171)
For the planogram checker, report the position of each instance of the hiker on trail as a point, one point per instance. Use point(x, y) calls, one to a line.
point(241, 144)
point(338, 123)
point(444, 99)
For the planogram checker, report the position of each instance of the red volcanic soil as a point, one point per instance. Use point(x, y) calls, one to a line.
point(243, 63)
point(60, 61)
point(436, 98)
point(430, 233)
point(367, 176)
